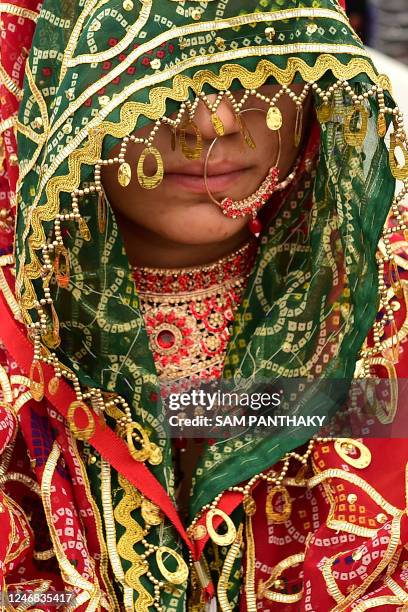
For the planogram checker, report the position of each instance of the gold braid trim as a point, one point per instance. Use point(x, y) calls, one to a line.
point(106, 492)
point(155, 109)
point(125, 546)
point(103, 561)
point(230, 559)
point(343, 602)
point(70, 575)
point(360, 482)
point(263, 592)
point(19, 11)
point(377, 602)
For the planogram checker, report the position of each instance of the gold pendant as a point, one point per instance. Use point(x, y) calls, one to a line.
point(245, 133)
point(82, 433)
point(399, 171)
point(53, 385)
point(273, 515)
point(131, 433)
point(298, 126)
point(274, 118)
point(62, 272)
point(344, 446)
point(150, 182)
point(356, 138)
point(180, 575)
point(151, 513)
point(124, 174)
point(37, 386)
point(324, 113)
point(191, 152)
point(84, 229)
point(224, 539)
point(102, 212)
point(217, 124)
point(381, 125)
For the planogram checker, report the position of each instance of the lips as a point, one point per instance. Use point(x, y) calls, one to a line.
point(220, 177)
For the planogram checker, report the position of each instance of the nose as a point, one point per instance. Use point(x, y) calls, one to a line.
point(205, 117)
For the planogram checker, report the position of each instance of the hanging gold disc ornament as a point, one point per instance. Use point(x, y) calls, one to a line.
point(324, 113)
point(245, 133)
point(52, 338)
point(274, 118)
point(273, 515)
point(355, 138)
point(179, 575)
point(399, 170)
point(195, 151)
point(82, 433)
point(218, 125)
point(84, 229)
point(124, 174)
point(346, 449)
point(132, 431)
point(221, 539)
point(298, 126)
point(36, 384)
point(150, 182)
point(102, 212)
point(53, 385)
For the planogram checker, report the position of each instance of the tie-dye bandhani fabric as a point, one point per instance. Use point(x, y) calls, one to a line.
point(320, 528)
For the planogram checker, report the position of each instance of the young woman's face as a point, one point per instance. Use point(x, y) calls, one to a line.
point(180, 210)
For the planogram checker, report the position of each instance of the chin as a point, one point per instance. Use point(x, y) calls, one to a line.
point(199, 228)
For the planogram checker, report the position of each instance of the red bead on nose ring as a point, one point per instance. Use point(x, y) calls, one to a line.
point(251, 205)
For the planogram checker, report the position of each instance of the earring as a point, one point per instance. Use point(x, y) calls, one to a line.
point(252, 204)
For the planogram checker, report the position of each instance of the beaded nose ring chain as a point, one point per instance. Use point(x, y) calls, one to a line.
point(251, 205)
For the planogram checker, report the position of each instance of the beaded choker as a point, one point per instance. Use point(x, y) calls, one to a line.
point(188, 313)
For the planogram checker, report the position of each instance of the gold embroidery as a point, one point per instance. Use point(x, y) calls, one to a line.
point(69, 574)
point(230, 559)
point(19, 11)
point(205, 26)
point(278, 569)
point(110, 529)
point(125, 546)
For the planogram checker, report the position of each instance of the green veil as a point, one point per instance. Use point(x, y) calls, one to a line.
point(102, 69)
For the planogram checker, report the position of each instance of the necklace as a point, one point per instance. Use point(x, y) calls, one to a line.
point(188, 313)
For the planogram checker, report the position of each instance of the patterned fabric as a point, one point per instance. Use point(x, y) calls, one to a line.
point(97, 72)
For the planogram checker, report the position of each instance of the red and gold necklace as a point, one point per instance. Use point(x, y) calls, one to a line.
point(188, 313)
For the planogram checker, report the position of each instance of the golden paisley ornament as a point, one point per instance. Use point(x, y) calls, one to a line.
point(274, 118)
